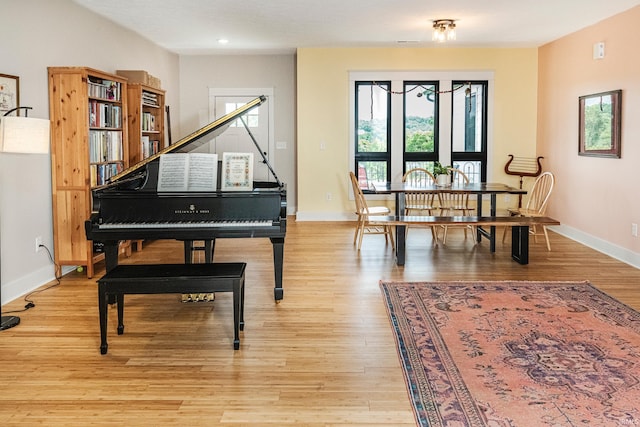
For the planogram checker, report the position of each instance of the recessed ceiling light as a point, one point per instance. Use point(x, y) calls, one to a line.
point(223, 41)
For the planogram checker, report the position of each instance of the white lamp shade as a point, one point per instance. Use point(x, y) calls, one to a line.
point(24, 135)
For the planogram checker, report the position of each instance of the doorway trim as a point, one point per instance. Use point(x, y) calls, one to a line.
point(248, 92)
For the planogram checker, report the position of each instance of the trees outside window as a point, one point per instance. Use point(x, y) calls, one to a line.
point(403, 123)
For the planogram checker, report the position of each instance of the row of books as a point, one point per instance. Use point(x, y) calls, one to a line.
point(149, 147)
point(148, 122)
point(105, 89)
point(100, 174)
point(149, 99)
point(105, 146)
point(104, 115)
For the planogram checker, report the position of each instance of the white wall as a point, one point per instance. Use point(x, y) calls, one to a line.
point(199, 73)
point(36, 34)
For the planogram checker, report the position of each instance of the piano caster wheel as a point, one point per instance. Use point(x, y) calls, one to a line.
point(103, 349)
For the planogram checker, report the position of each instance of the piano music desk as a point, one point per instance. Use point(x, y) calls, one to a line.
point(171, 278)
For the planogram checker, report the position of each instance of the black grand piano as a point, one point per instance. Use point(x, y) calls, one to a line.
point(129, 206)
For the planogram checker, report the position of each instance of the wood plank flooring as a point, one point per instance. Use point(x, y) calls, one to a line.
point(324, 356)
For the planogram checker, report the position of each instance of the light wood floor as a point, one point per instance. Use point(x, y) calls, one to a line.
point(324, 356)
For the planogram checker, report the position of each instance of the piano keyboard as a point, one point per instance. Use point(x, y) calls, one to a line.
point(186, 224)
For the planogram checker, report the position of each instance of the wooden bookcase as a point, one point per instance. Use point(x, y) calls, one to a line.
point(88, 112)
point(145, 119)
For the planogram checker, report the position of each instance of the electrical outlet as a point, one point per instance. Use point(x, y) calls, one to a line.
point(634, 230)
point(38, 243)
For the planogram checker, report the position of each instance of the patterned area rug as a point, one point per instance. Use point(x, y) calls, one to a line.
point(516, 353)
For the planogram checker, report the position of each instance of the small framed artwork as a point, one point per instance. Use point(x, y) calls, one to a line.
point(9, 93)
point(600, 124)
point(237, 171)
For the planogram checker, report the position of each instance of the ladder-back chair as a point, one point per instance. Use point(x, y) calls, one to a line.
point(455, 203)
point(420, 203)
point(536, 204)
point(363, 212)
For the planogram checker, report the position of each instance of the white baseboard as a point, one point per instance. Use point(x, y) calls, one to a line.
point(27, 283)
point(600, 245)
point(325, 216)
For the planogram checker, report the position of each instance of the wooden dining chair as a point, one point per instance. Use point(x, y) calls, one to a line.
point(537, 203)
point(363, 212)
point(455, 203)
point(420, 203)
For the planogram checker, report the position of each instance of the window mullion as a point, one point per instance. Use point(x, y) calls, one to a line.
point(397, 134)
point(444, 118)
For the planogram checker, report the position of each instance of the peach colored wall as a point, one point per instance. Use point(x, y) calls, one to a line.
point(323, 112)
point(595, 198)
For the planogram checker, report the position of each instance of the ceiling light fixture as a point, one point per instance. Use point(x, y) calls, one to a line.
point(443, 30)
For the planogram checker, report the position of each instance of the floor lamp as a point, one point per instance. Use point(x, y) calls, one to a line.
point(20, 135)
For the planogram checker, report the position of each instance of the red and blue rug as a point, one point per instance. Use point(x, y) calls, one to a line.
point(516, 353)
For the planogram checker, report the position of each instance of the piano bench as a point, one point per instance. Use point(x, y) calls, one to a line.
point(171, 278)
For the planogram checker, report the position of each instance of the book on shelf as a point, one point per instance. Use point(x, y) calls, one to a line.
point(188, 172)
point(149, 99)
point(148, 146)
point(148, 122)
point(105, 146)
point(104, 115)
point(105, 89)
point(100, 173)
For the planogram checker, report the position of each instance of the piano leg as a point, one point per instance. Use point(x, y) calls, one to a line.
point(278, 256)
point(102, 309)
point(111, 261)
point(189, 248)
point(111, 254)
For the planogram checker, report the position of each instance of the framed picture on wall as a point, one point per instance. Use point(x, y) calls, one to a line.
point(600, 124)
point(9, 93)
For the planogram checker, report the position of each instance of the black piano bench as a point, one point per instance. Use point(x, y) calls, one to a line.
point(167, 279)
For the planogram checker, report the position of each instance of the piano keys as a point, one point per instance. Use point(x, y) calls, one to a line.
point(129, 207)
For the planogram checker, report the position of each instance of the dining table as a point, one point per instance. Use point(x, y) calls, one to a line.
point(479, 189)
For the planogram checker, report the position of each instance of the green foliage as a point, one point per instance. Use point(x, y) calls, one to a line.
point(597, 126)
point(438, 169)
point(372, 136)
point(419, 134)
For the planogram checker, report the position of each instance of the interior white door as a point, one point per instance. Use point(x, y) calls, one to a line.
point(236, 139)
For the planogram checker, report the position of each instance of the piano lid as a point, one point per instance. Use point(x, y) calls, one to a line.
point(189, 142)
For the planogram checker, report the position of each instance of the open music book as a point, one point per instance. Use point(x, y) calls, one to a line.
point(188, 172)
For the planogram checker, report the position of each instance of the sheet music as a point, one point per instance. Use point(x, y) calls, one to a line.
point(188, 172)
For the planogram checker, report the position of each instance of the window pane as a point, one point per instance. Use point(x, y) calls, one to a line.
point(470, 168)
point(419, 118)
point(372, 117)
point(251, 117)
point(418, 164)
point(467, 132)
point(373, 172)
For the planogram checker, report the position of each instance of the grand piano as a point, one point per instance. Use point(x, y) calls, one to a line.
point(130, 207)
